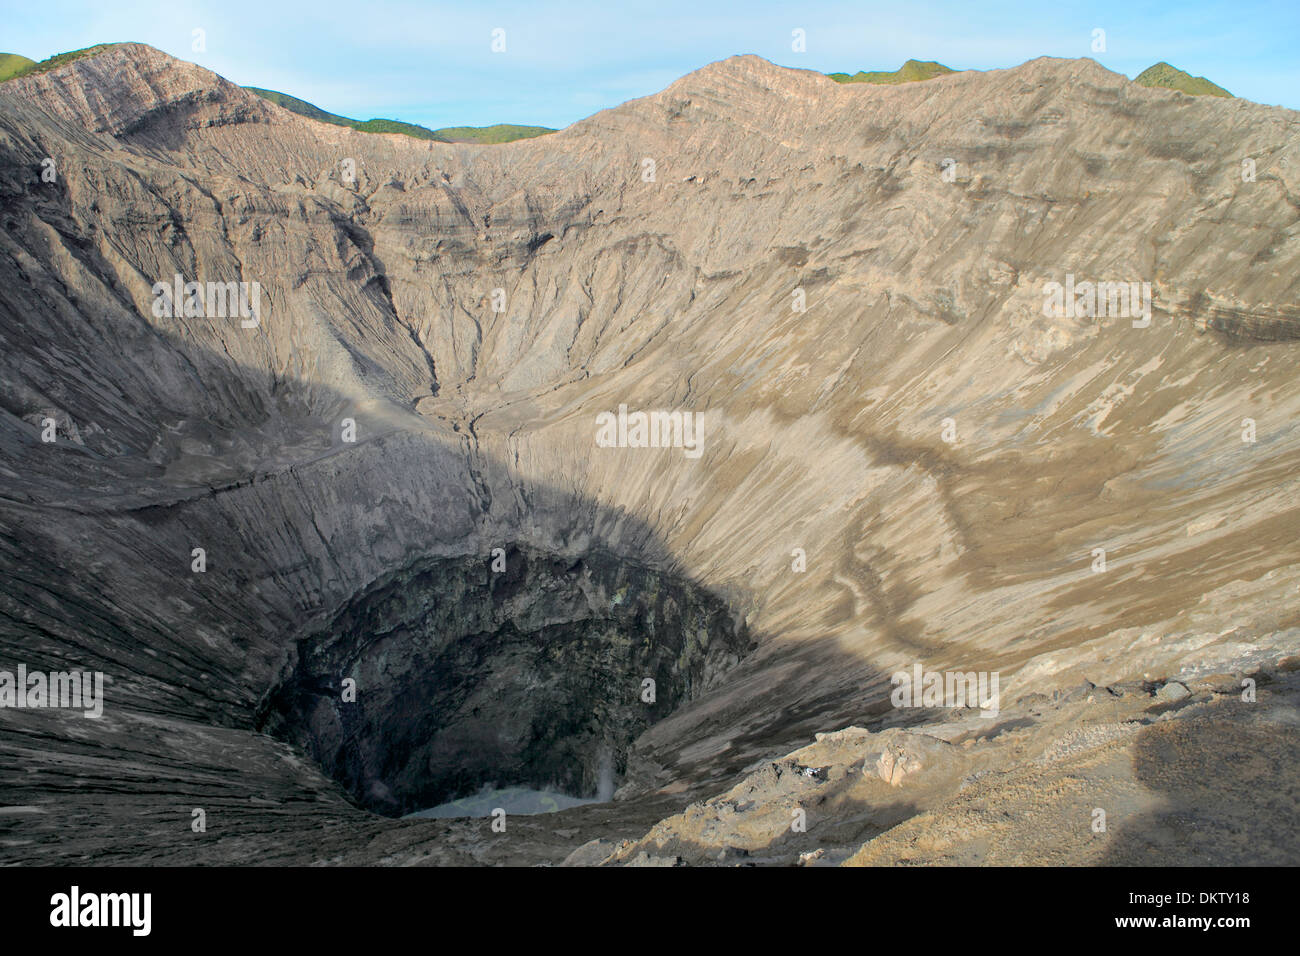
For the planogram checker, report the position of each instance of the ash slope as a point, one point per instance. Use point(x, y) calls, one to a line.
point(476, 427)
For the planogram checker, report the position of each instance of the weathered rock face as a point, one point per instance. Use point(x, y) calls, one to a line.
point(948, 458)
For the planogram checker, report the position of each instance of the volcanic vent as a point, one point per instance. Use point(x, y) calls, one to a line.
point(541, 673)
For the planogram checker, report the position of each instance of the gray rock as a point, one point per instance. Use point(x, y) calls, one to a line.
point(1173, 690)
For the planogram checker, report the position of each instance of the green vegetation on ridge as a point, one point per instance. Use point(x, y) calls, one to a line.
point(303, 108)
point(1172, 78)
point(12, 64)
point(29, 67)
point(910, 72)
point(1161, 75)
point(501, 133)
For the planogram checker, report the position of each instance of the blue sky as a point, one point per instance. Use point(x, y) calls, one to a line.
point(432, 63)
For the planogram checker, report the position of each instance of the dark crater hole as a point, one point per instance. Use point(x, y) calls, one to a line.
point(467, 677)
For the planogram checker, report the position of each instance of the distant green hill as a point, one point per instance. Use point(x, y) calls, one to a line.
point(1172, 78)
point(303, 108)
point(11, 64)
point(501, 133)
point(910, 72)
